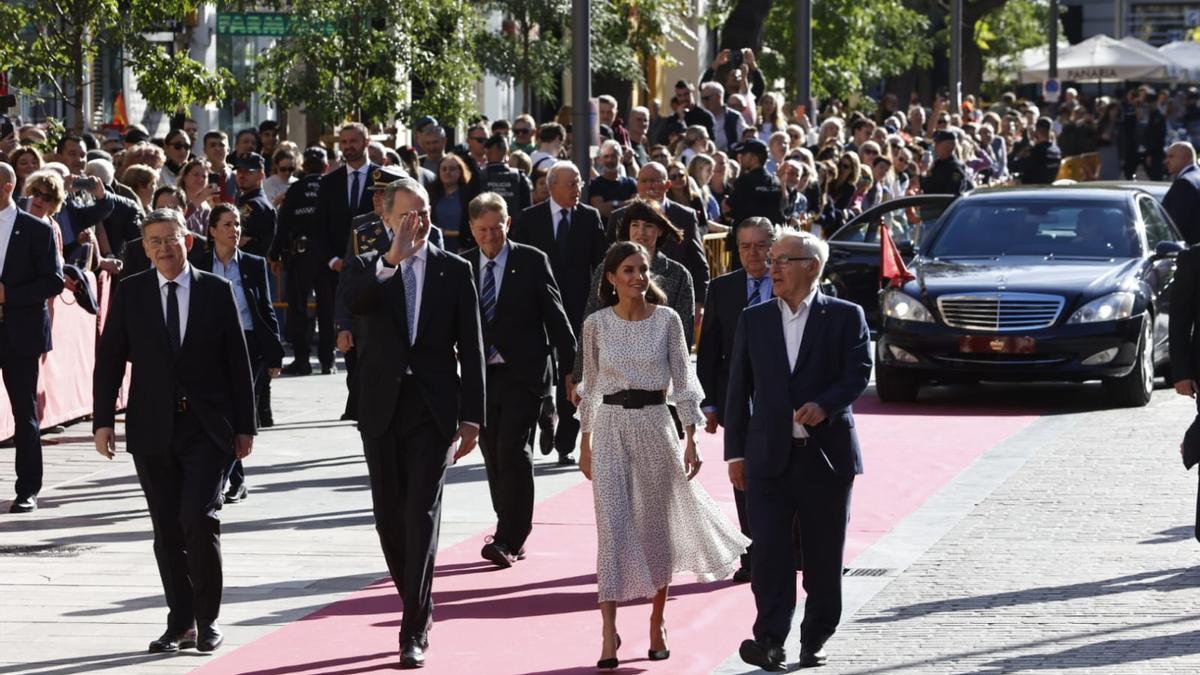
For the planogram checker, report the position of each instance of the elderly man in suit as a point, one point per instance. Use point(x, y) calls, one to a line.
point(572, 236)
point(799, 363)
point(524, 329)
point(728, 295)
point(1182, 200)
point(190, 414)
point(653, 184)
point(30, 274)
point(421, 393)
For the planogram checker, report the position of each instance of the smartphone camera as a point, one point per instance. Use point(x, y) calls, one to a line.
point(85, 183)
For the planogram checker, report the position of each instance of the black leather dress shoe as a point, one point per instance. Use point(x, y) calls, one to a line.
point(498, 554)
point(173, 641)
point(546, 440)
point(566, 460)
point(328, 369)
point(770, 659)
point(412, 652)
point(209, 637)
point(742, 575)
point(297, 368)
point(235, 494)
point(811, 658)
point(23, 504)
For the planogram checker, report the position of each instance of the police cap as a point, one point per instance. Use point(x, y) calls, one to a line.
point(250, 162)
point(943, 135)
point(315, 154)
point(385, 174)
point(753, 145)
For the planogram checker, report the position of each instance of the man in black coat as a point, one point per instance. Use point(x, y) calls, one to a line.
point(190, 413)
point(1185, 343)
point(572, 236)
point(524, 329)
point(1037, 165)
point(653, 184)
point(421, 393)
point(342, 196)
point(728, 295)
point(755, 193)
point(1182, 200)
point(30, 274)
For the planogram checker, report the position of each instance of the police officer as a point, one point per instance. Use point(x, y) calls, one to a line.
point(258, 216)
point(502, 179)
point(258, 236)
point(947, 175)
point(306, 272)
point(755, 193)
point(368, 233)
point(1038, 164)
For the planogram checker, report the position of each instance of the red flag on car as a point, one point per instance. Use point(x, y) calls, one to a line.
point(892, 271)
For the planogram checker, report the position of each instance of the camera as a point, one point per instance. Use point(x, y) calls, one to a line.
point(85, 183)
point(736, 58)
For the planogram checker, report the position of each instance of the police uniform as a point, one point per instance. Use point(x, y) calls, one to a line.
point(947, 176)
point(755, 193)
point(508, 183)
point(258, 216)
point(306, 272)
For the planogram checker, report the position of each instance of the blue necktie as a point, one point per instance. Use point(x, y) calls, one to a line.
point(410, 299)
point(487, 297)
point(752, 298)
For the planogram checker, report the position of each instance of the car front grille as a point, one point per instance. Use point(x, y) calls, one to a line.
point(1000, 312)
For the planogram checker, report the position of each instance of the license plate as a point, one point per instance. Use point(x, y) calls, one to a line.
point(1003, 344)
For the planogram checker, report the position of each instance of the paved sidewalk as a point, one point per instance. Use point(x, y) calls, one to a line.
point(1081, 559)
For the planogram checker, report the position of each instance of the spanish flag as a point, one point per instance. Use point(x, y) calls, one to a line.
point(119, 118)
point(892, 272)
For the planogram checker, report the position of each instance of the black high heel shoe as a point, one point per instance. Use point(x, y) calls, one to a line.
point(659, 654)
point(611, 663)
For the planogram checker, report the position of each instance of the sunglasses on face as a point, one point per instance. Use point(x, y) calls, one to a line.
point(479, 139)
point(845, 167)
point(285, 169)
point(676, 176)
point(180, 146)
point(522, 131)
point(44, 196)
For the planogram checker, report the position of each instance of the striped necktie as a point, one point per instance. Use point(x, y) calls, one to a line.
point(487, 300)
point(756, 288)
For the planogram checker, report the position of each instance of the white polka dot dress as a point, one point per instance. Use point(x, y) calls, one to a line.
point(651, 521)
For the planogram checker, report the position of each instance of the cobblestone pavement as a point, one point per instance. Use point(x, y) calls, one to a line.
point(1081, 559)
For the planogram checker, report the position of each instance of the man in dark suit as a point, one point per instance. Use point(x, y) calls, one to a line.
point(247, 274)
point(342, 196)
point(1182, 200)
point(1185, 343)
point(653, 184)
point(190, 413)
point(802, 360)
point(421, 393)
point(524, 329)
point(728, 295)
point(572, 236)
point(30, 274)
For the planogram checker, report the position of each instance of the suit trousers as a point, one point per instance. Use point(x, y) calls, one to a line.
point(305, 275)
point(505, 442)
point(351, 361)
point(183, 493)
point(236, 475)
point(20, 381)
point(811, 494)
point(407, 467)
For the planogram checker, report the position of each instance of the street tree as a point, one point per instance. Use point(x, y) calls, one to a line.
point(57, 43)
point(355, 60)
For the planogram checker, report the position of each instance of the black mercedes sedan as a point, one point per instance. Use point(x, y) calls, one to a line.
point(1029, 284)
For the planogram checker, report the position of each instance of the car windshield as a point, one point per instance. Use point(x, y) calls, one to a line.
point(1059, 229)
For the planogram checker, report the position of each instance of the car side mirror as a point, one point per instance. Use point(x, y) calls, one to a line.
point(907, 248)
point(1167, 249)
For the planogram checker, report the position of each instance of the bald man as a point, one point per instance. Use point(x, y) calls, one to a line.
point(1182, 201)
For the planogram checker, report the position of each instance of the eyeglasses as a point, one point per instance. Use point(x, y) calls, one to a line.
point(786, 260)
point(159, 242)
point(44, 196)
point(179, 146)
point(676, 176)
point(285, 169)
point(478, 139)
point(522, 131)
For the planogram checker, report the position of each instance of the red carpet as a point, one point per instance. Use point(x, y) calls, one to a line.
point(540, 616)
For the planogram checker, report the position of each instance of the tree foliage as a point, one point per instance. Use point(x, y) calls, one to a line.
point(58, 41)
point(354, 60)
point(1006, 31)
point(855, 43)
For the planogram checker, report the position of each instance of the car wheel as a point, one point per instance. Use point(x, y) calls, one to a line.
point(895, 386)
point(1135, 389)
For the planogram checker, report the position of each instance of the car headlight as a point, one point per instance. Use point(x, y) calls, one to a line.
point(1110, 307)
point(900, 305)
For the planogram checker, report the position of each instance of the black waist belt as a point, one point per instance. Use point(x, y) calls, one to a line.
point(636, 398)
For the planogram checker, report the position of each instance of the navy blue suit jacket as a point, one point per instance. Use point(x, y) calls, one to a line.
point(32, 275)
point(1182, 203)
point(257, 287)
point(832, 370)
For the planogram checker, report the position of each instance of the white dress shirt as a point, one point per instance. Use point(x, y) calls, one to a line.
point(417, 262)
point(183, 294)
point(793, 334)
point(8, 220)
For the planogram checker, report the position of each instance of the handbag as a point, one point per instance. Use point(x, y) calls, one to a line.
point(85, 295)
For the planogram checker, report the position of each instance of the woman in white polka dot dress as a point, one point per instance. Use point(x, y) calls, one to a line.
point(652, 520)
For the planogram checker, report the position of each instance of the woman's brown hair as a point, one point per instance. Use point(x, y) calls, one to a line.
point(617, 253)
